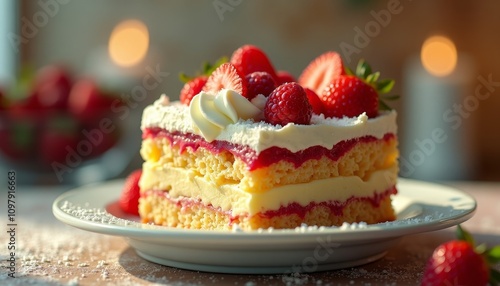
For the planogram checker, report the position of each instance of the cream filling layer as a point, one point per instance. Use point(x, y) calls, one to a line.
point(183, 183)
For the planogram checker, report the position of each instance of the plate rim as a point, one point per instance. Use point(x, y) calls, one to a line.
point(374, 231)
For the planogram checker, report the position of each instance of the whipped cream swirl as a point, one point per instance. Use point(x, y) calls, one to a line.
point(210, 113)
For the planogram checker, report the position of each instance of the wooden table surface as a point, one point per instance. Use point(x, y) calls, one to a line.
point(52, 253)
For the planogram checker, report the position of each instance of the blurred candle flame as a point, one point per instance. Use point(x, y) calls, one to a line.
point(128, 43)
point(439, 56)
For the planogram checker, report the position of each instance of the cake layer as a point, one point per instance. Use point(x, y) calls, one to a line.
point(259, 136)
point(159, 208)
point(223, 163)
point(182, 183)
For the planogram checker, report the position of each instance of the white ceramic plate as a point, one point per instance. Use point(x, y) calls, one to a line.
point(420, 207)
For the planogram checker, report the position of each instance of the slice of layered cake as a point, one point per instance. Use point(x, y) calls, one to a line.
point(243, 149)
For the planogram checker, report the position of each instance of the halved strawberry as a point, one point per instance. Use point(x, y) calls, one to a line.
point(225, 77)
point(248, 59)
point(321, 72)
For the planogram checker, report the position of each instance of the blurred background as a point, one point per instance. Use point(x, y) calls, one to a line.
point(119, 56)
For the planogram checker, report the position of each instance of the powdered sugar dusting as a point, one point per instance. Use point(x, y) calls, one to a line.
point(259, 135)
point(94, 215)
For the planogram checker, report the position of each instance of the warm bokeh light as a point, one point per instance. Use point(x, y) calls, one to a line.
point(128, 43)
point(439, 55)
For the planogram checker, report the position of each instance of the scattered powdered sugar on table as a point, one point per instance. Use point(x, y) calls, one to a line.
point(51, 253)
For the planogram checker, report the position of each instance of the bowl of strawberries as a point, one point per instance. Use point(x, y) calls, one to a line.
point(57, 128)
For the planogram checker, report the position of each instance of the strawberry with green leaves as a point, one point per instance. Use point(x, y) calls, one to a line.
point(352, 94)
point(460, 262)
point(194, 85)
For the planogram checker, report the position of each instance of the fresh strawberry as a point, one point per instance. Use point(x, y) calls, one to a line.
point(192, 88)
point(109, 140)
point(129, 199)
point(456, 263)
point(459, 262)
point(322, 71)
point(349, 96)
point(59, 136)
point(248, 59)
point(316, 103)
point(259, 83)
point(194, 84)
point(52, 86)
point(288, 104)
point(26, 108)
point(284, 77)
point(86, 102)
point(225, 77)
point(18, 137)
point(3, 101)
point(354, 93)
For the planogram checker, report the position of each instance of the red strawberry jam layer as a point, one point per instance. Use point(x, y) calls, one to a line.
point(265, 158)
point(335, 207)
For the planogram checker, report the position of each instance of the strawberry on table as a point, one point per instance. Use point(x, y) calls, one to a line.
point(321, 72)
point(129, 199)
point(225, 77)
point(259, 83)
point(460, 262)
point(288, 104)
point(249, 58)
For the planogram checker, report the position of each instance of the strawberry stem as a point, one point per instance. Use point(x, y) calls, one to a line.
point(462, 234)
point(493, 254)
point(364, 71)
point(494, 277)
point(206, 70)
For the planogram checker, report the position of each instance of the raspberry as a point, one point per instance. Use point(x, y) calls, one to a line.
point(288, 104)
point(259, 83)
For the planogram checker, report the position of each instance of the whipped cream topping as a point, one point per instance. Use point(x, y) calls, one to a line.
point(259, 135)
point(210, 114)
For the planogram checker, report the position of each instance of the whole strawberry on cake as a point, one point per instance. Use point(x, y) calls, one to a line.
point(248, 146)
